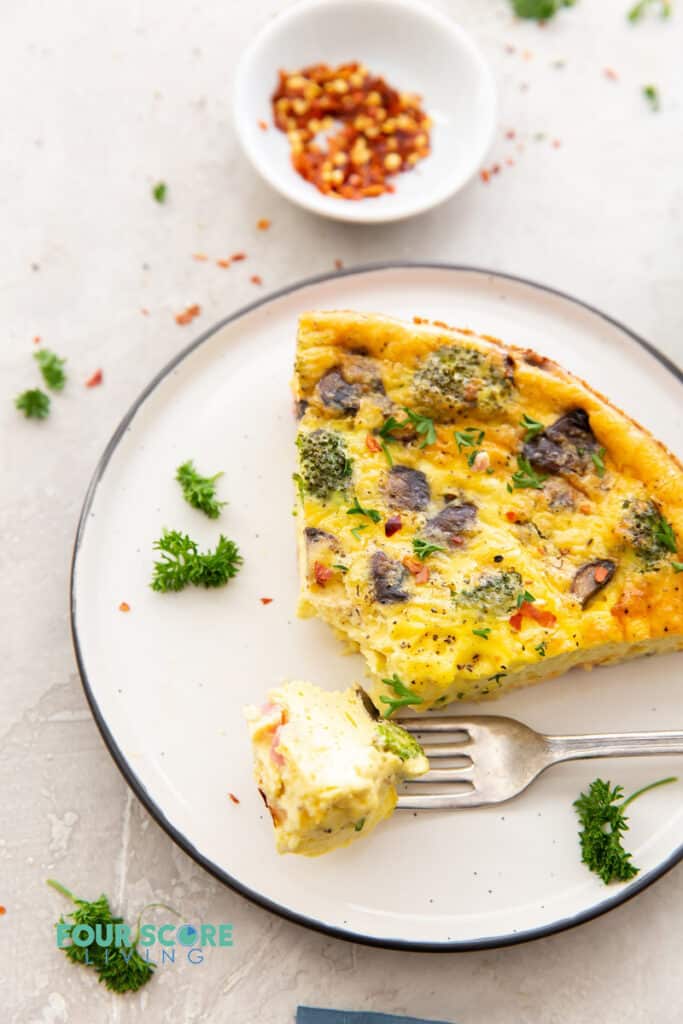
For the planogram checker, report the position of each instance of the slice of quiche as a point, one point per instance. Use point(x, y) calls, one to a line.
point(471, 516)
point(326, 768)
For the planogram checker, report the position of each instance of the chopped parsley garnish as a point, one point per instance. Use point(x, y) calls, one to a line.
point(338, 565)
point(159, 191)
point(356, 530)
point(603, 822)
point(182, 564)
point(599, 461)
point(404, 697)
point(483, 633)
point(199, 491)
point(677, 566)
point(468, 438)
point(358, 827)
point(532, 427)
point(358, 510)
point(52, 368)
point(540, 10)
point(639, 9)
point(651, 94)
point(34, 404)
point(121, 969)
point(526, 475)
point(540, 649)
point(387, 453)
point(424, 425)
point(525, 598)
point(423, 549)
point(497, 677)
point(472, 456)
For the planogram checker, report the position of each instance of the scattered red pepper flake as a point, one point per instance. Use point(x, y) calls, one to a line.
point(144, 310)
point(266, 600)
point(556, 143)
point(37, 340)
point(392, 526)
point(255, 279)
point(484, 175)
point(223, 263)
point(263, 224)
point(543, 618)
point(95, 380)
point(600, 574)
point(372, 130)
point(187, 315)
point(511, 516)
point(262, 125)
point(237, 256)
point(611, 74)
point(372, 444)
point(124, 607)
point(3, 910)
point(509, 162)
point(234, 799)
point(417, 569)
point(510, 134)
point(338, 264)
point(200, 257)
point(322, 573)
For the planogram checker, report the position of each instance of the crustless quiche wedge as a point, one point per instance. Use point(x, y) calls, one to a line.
point(471, 516)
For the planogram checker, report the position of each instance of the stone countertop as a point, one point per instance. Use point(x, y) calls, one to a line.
point(101, 101)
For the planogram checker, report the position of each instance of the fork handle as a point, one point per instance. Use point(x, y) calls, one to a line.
point(628, 744)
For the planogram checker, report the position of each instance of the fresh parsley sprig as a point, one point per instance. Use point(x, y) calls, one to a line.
point(526, 475)
point(540, 10)
point(52, 368)
point(121, 971)
point(182, 565)
point(358, 510)
point(200, 491)
point(424, 426)
point(423, 549)
point(603, 823)
point(470, 437)
point(404, 697)
point(531, 426)
point(641, 8)
point(34, 404)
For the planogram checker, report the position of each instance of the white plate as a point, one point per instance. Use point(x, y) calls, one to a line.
point(167, 681)
point(415, 48)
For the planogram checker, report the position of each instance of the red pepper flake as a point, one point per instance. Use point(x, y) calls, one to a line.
point(509, 162)
point(255, 279)
point(237, 256)
point(600, 574)
point(3, 910)
point(263, 224)
point(510, 134)
point(611, 74)
point(516, 621)
point(37, 340)
point(338, 265)
point(511, 516)
point(423, 575)
point(456, 542)
point(234, 799)
point(266, 600)
point(95, 380)
point(187, 315)
point(417, 569)
point(322, 573)
point(144, 311)
point(200, 257)
point(543, 618)
point(372, 444)
point(223, 263)
point(556, 143)
point(392, 526)
point(262, 125)
point(124, 607)
point(484, 175)
point(495, 169)
point(372, 131)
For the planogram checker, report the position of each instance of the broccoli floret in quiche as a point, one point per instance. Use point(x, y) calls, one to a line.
point(398, 741)
point(496, 593)
point(652, 537)
point(453, 380)
point(324, 462)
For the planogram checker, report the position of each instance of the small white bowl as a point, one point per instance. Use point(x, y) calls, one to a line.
point(416, 49)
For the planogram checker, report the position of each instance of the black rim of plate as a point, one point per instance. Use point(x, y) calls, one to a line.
point(135, 783)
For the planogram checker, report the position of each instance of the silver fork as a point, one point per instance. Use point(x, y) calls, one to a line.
point(497, 758)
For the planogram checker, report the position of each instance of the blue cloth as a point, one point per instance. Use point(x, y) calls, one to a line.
point(313, 1015)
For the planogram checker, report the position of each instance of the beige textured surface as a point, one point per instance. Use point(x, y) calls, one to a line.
point(102, 100)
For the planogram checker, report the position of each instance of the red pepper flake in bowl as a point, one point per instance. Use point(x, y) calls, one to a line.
point(372, 130)
point(187, 315)
point(95, 380)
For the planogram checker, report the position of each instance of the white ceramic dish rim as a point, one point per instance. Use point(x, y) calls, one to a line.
point(357, 213)
point(136, 784)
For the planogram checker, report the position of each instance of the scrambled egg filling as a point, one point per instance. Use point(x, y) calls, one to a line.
point(326, 768)
point(471, 517)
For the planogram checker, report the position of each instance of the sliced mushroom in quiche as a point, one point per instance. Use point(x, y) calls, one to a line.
point(471, 516)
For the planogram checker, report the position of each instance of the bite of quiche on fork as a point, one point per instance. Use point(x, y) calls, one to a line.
point(471, 516)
